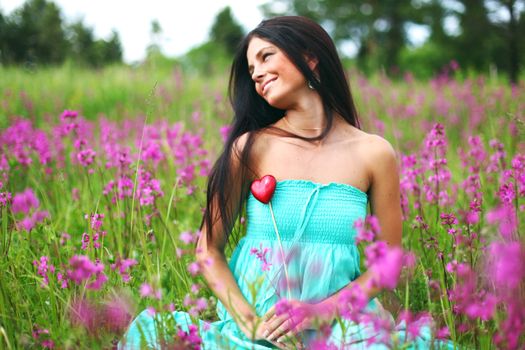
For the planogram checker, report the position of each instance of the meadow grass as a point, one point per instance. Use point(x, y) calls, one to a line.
point(155, 132)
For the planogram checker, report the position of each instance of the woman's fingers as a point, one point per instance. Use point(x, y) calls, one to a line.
point(278, 327)
point(292, 333)
point(269, 314)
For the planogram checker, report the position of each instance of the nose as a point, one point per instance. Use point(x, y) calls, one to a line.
point(257, 74)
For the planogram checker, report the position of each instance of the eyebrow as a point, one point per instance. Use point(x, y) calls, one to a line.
point(258, 54)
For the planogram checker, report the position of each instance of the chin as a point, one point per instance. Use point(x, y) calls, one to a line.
point(276, 102)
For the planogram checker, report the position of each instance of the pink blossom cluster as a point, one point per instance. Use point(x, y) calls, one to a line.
point(195, 305)
point(187, 237)
point(123, 267)
point(435, 164)
point(42, 337)
point(147, 290)
point(94, 236)
point(28, 204)
point(189, 340)
point(261, 256)
point(148, 188)
point(43, 267)
point(112, 315)
point(367, 229)
point(82, 269)
point(20, 141)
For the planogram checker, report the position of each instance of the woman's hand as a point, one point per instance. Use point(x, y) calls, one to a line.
point(288, 318)
point(255, 329)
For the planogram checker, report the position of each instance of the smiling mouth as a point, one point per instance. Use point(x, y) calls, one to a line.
point(266, 85)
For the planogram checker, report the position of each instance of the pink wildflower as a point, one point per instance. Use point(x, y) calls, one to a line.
point(505, 216)
point(367, 230)
point(23, 202)
point(193, 268)
point(68, 115)
point(83, 269)
point(261, 256)
point(86, 157)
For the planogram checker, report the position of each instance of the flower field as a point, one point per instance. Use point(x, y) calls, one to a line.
point(102, 187)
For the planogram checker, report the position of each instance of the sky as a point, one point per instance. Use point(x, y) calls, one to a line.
point(184, 24)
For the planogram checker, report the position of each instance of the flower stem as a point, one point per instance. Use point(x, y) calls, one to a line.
point(282, 250)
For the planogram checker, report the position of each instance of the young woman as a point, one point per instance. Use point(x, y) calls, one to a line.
point(294, 120)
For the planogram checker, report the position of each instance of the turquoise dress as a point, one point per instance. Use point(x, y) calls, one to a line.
point(315, 225)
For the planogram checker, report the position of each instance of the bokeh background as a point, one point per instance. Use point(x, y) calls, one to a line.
point(420, 36)
point(112, 114)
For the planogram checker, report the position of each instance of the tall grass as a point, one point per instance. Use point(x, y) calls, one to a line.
point(155, 132)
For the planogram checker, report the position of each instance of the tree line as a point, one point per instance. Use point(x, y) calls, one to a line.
point(36, 34)
point(487, 32)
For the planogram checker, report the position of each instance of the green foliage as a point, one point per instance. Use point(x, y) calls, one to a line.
point(226, 31)
point(209, 58)
point(424, 61)
point(488, 35)
point(36, 34)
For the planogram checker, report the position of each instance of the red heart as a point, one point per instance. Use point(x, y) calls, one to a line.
point(264, 188)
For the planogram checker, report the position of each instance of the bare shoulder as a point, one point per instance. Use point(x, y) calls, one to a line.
point(377, 154)
point(376, 147)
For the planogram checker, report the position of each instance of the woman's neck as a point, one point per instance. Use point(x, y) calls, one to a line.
point(307, 120)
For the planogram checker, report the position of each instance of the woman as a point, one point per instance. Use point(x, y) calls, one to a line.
point(294, 120)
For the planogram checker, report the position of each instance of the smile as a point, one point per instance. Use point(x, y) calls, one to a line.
point(267, 84)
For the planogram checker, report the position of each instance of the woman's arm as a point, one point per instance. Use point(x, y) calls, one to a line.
point(385, 204)
point(213, 263)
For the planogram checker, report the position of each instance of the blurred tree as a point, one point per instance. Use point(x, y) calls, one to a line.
point(34, 33)
point(83, 48)
point(155, 37)
point(474, 45)
point(88, 51)
point(226, 31)
point(377, 28)
point(488, 31)
point(112, 49)
point(506, 17)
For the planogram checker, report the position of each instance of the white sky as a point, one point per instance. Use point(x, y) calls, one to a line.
point(184, 23)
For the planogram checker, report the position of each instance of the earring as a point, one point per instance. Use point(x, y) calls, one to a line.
point(310, 86)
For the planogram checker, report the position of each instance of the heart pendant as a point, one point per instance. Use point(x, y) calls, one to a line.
point(264, 188)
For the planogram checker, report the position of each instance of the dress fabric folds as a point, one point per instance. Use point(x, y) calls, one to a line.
point(316, 230)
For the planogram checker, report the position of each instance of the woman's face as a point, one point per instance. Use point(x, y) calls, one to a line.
point(276, 78)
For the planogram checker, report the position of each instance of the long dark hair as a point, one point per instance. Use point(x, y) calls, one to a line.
point(298, 37)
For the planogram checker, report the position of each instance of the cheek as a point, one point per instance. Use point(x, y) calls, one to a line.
point(258, 89)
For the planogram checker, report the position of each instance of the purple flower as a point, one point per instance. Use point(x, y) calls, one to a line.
point(483, 309)
point(117, 313)
point(86, 157)
point(5, 198)
point(507, 264)
point(352, 302)
point(225, 132)
point(68, 115)
point(193, 268)
point(387, 267)
point(261, 256)
point(367, 230)
point(81, 269)
point(83, 313)
point(187, 237)
point(123, 266)
point(25, 201)
point(146, 290)
point(505, 216)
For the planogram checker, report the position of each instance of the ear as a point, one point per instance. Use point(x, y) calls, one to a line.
point(312, 62)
